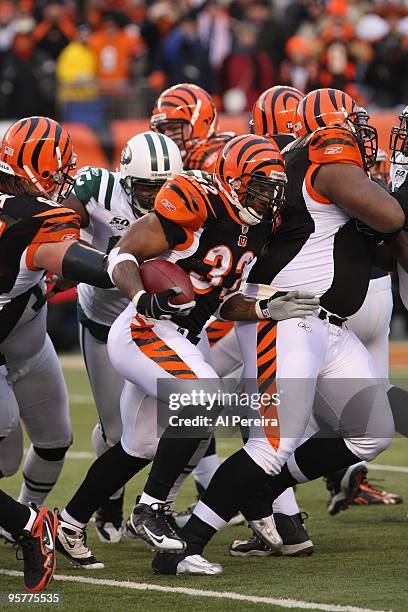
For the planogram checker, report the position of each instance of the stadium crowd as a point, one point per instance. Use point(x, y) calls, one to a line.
point(80, 60)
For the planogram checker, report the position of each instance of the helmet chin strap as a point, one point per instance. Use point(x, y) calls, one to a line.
point(244, 213)
point(248, 216)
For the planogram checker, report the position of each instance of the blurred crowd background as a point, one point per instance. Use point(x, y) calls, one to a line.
point(92, 60)
point(98, 65)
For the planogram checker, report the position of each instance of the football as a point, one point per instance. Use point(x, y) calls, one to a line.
point(158, 275)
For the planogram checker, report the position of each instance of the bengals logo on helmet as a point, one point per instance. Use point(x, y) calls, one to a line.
point(39, 150)
point(250, 172)
point(185, 105)
point(274, 110)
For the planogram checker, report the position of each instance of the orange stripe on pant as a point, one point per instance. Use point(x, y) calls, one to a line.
point(217, 330)
point(157, 350)
point(266, 377)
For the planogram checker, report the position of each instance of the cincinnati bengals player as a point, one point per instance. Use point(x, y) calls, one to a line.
point(188, 115)
point(318, 248)
point(108, 203)
point(36, 234)
point(241, 204)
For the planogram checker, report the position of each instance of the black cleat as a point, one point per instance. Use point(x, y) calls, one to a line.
point(252, 547)
point(155, 525)
point(38, 548)
point(344, 486)
point(296, 541)
point(109, 523)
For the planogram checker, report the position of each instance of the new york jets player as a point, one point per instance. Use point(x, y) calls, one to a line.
point(108, 202)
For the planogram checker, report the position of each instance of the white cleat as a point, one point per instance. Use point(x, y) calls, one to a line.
point(265, 529)
point(71, 542)
point(176, 564)
point(196, 565)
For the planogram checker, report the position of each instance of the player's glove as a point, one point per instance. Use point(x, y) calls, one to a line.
point(377, 237)
point(288, 305)
point(159, 306)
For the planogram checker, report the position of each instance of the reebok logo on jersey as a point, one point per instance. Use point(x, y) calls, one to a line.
point(69, 236)
point(333, 150)
point(168, 205)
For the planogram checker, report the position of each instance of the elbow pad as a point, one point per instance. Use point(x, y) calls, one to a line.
point(86, 265)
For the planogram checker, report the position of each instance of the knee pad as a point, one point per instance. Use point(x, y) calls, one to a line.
point(99, 441)
point(11, 453)
point(368, 448)
point(263, 455)
point(51, 454)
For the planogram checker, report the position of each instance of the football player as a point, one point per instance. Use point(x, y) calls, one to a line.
point(242, 203)
point(187, 114)
point(108, 203)
point(272, 116)
point(36, 234)
point(371, 324)
point(319, 248)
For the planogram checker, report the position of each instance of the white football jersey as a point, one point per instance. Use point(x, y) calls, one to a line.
point(110, 215)
point(399, 175)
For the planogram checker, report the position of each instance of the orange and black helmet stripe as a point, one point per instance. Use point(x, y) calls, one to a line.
point(187, 103)
point(321, 108)
point(274, 111)
point(36, 148)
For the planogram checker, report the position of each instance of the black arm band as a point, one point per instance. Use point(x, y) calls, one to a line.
point(86, 265)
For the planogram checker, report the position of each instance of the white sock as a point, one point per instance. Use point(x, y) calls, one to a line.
point(149, 500)
point(67, 518)
point(30, 522)
point(206, 469)
point(286, 503)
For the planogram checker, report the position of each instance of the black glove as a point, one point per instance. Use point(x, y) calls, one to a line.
point(158, 305)
point(378, 237)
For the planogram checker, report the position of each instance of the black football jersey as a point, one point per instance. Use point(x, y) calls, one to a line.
point(208, 240)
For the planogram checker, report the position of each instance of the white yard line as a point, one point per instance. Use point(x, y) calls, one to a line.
point(81, 399)
point(387, 468)
point(141, 586)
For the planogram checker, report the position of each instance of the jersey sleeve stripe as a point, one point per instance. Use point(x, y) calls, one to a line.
point(183, 196)
point(108, 194)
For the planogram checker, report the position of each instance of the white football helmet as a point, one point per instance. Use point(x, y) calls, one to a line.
point(146, 162)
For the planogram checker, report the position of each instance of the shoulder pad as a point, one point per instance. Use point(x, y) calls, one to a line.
point(183, 200)
point(330, 145)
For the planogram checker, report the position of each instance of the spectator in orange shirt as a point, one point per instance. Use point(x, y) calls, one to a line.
point(55, 31)
point(114, 48)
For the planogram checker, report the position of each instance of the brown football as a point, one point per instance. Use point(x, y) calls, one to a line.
point(158, 275)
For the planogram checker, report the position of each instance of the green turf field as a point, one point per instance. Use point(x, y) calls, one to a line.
point(360, 555)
